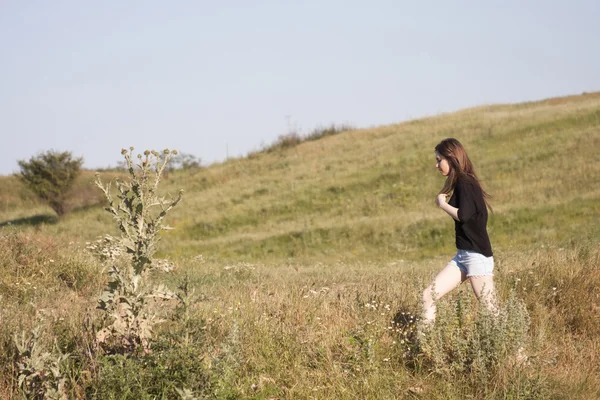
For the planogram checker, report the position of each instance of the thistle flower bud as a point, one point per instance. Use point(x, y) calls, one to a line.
point(147, 153)
point(175, 152)
point(123, 151)
point(131, 148)
point(140, 156)
point(166, 151)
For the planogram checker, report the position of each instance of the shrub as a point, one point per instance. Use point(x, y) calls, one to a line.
point(285, 142)
point(330, 130)
point(183, 161)
point(293, 139)
point(156, 375)
point(50, 176)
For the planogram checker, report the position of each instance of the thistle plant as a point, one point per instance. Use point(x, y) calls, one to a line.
point(139, 213)
point(107, 249)
point(39, 371)
point(138, 199)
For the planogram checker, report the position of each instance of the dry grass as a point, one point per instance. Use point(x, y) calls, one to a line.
point(326, 331)
point(308, 253)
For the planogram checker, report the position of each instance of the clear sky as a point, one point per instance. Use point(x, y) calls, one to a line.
point(219, 78)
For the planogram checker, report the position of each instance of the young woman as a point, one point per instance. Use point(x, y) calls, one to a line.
point(468, 207)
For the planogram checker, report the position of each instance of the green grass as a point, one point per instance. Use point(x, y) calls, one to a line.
point(528, 156)
point(285, 248)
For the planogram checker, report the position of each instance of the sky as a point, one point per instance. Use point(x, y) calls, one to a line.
point(218, 79)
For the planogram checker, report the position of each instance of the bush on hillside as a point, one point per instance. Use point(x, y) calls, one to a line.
point(50, 176)
point(178, 161)
point(330, 130)
point(183, 161)
point(293, 139)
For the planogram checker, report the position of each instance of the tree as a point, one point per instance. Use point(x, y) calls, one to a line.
point(50, 176)
point(183, 161)
point(179, 161)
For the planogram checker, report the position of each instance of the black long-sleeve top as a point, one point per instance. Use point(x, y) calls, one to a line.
point(470, 229)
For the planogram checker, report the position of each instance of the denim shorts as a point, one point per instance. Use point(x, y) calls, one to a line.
point(473, 263)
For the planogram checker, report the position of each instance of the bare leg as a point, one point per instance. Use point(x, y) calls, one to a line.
point(483, 287)
point(446, 280)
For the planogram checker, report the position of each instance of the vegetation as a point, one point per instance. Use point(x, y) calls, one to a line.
point(50, 176)
point(179, 161)
point(127, 299)
point(296, 273)
point(293, 139)
point(183, 161)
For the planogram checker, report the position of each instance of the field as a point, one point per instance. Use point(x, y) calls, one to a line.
point(293, 268)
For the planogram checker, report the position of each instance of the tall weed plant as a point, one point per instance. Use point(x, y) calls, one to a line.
point(139, 212)
point(467, 338)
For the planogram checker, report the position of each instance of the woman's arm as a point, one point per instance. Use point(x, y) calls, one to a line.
point(440, 200)
point(465, 205)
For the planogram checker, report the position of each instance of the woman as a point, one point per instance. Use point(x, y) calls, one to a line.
point(468, 207)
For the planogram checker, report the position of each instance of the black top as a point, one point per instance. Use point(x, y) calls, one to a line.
point(471, 233)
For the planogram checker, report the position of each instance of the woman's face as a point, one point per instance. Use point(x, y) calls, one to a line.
point(442, 164)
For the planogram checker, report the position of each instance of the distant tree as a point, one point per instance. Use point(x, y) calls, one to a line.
point(179, 161)
point(183, 161)
point(50, 176)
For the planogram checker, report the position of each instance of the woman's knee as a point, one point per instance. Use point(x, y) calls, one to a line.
point(483, 286)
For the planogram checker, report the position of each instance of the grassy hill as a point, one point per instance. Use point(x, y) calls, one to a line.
point(294, 267)
point(368, 194)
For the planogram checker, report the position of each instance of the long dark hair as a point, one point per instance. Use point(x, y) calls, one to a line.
point(461, 167)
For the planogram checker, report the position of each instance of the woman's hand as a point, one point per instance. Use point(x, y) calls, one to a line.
point(440, 199)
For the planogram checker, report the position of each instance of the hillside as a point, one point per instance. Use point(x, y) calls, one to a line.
point(313, 263)
point(370, 193)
